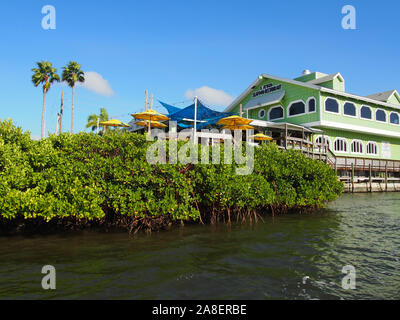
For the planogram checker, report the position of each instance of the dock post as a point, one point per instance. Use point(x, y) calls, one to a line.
point(352, 177)
point(386, 177)
point(370, 178)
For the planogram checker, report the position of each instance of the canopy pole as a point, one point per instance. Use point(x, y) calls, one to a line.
point(195, 121)
point(151, 102)
point(145, 100)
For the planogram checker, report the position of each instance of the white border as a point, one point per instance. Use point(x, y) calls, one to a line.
point(342, 139)
point(372, 113)
point(308, 107)
point(296, 115)
point(353, 128)
point(363, 146)
point(323, 136)
point(259, 112)
point(377, 149)
point(355, 106)
point(398, 116)
point(386, 116)
point(339, 106)
point(269, 111)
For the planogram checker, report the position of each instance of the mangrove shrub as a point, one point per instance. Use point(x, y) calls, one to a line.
point(86, 178)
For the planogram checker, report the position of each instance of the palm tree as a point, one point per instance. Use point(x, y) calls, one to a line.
point(72, 74)
point(44, 74)
point(92, 119)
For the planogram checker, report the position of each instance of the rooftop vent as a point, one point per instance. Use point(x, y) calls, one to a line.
point(305, 72)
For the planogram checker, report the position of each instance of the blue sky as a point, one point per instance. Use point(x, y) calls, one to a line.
point(170, 47)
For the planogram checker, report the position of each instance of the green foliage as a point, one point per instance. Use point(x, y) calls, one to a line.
point(90, 177)
point(72, 74)
point(45, 74)
point(93, 118)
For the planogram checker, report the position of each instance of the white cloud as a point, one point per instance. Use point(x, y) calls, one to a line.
point(210, 96)
point(35, 137)
point(96, 83)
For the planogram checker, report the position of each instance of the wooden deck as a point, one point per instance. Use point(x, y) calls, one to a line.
point(351, 170)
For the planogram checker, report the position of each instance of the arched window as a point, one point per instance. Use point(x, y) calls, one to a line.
point(372, 148)
point(311, 104)
point(357, 147)
point(349, 109)
point(380, 115)
point(321, 141)
point(332, 105)
point(366, 112)
point(261, 113)
point(394, 118)
point(275, 113)
point(296, 108)
point(340, 145)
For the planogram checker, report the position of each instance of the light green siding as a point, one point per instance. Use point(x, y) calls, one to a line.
point(364, 138)
point(334, 124)
point(293, 93)
point(335, 84)
point(311, 76)
point(358, 121)
point(394, 100)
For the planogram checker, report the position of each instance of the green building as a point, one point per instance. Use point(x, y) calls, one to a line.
point(353, 126)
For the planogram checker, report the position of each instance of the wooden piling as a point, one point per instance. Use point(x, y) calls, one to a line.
point(386, 177)
point(370, 178)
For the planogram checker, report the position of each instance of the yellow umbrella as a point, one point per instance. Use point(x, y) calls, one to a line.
point(114, 123)
point(154, 124)
point(260, 136)
point(238, 127)
point(150, 115)
point(234, 121)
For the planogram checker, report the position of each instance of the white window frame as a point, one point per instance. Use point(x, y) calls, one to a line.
point(269, 111)
point(296, 115)
point(377, 148)
point(259, 113)
point(307, 106)
point(359, 141)
point(355, 106)
point(346, 143)
point(398, 115)
point(326, 138)
point(372, 113)
point(386, 117)
point(339, 106)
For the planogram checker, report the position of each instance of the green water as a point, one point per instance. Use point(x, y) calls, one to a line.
point(263, 261)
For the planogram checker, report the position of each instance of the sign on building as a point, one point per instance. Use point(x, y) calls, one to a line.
point(386, 150)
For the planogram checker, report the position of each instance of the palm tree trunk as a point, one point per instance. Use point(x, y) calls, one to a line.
point(73, 99)
point(43, 112)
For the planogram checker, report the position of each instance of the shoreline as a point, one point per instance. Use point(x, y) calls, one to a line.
point(134, 225)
